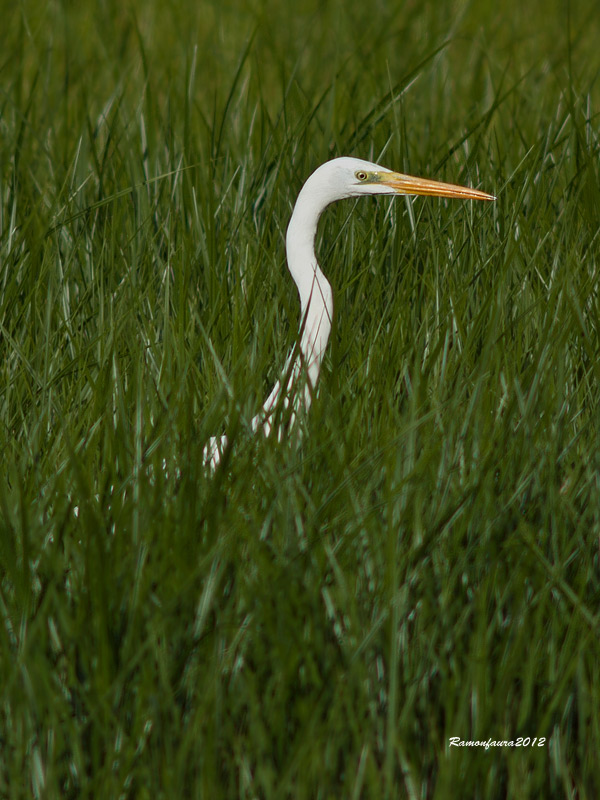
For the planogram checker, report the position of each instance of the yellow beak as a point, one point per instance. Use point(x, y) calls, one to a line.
point(406, 184)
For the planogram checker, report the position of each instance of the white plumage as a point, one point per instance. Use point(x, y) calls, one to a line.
point(334, 180)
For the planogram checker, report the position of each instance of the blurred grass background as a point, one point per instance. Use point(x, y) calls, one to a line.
point(317, 618)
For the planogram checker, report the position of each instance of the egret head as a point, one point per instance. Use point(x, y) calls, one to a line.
point(353, 177)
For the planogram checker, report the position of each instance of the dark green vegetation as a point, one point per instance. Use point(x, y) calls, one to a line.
point(318, 618)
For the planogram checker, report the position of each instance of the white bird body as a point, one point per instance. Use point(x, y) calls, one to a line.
point(335, 180)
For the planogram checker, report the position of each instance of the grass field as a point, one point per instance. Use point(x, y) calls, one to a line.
point(319, 617)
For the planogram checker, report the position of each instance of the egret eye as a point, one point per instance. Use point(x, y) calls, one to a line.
point(361, 175)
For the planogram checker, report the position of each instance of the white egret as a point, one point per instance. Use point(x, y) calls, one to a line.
point(334, 180)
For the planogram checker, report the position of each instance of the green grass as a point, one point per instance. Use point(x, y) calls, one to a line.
point(318, 618)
